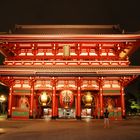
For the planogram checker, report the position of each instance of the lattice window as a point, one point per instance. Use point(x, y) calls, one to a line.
point(17, 84)
point(103, 52)
point(115, 84)
point(107, 84)
point(111, 52)
point(29, 52)
point(26, 84)
point(40, 52)
point(22, 52)
point(92, 52)
point(60, 83)
point(49, 52)
point(72, 52)
point(84, 52)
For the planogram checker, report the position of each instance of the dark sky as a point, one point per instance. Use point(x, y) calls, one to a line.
point(123, 12)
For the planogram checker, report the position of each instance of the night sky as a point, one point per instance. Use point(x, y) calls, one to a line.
point(123, 12)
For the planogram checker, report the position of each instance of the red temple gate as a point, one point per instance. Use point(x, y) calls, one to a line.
point(62, 75)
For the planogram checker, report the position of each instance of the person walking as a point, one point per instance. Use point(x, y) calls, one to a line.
point(106, 119)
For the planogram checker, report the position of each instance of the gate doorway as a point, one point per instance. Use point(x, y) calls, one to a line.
point(68, 113)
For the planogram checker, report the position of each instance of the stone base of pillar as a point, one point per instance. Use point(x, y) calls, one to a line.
point(30, 117)
point(78, 117)
point(9, 116)
point(95, 117)
point(101, 117)
point(54, 117)
point(123, 117)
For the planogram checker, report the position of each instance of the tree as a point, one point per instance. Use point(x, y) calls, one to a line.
point(133, 93)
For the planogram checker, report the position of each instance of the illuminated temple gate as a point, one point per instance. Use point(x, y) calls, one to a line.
point(64, 71)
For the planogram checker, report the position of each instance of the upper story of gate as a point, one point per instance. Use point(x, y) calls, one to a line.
point(94, 45)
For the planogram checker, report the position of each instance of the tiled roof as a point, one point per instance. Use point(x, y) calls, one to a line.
point(66, 29)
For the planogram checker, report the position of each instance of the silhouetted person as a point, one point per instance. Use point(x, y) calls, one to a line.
point(106, 119)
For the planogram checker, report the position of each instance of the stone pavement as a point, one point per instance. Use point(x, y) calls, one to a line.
point(65, 129)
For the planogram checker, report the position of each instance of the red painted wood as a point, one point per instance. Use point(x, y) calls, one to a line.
point(54, 99)
point(56, 107)
point(78, 103)
point(101, 96)
point(10, 101)
point(122, 101)
point(32, 99)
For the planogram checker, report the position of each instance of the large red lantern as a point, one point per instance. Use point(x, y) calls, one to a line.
point(66, 98)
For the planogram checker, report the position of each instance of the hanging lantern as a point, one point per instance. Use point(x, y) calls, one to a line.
point(87, 99)
point(66, 98)
point(44, 99)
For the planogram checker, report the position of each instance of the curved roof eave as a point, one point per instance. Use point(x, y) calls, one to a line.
point(114, 37)
point(69, 71)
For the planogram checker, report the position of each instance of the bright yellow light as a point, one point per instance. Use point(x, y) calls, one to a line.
point(2, 98)
point(44, 97)
point(125, 52)
point(88, 119)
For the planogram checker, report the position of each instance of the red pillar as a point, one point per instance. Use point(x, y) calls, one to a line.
point(78, 108)
point(101, 96)
point(54, 100)
point(122, 101)
point(56, 107)
point(32, 109)
point(10, 102)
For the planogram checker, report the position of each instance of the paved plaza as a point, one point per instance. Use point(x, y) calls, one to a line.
point(65, 129)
